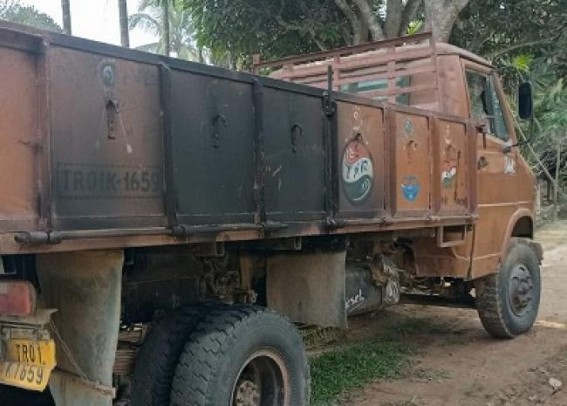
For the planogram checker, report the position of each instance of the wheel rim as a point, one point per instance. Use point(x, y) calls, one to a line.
point(263, 380)
point(520, 290)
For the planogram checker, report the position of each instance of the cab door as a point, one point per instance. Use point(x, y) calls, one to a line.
point(497, 174)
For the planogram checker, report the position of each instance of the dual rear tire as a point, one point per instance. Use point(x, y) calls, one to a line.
point(222, 355)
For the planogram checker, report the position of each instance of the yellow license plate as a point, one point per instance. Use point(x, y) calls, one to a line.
point(28, 363)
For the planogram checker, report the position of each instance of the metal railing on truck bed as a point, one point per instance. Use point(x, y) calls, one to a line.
point(394, 70)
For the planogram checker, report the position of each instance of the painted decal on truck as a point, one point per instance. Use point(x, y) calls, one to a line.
point(450, 166)
point(411, 188)
point(357, 171)
point(509, 165)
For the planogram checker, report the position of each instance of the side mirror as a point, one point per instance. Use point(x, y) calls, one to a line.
point(525, 101)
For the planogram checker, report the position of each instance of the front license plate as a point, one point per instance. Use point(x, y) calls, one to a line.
point(28, 363)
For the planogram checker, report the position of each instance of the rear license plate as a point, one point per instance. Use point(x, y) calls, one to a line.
point(28, 363)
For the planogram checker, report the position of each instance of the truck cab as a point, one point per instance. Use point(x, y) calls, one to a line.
point(417, 72)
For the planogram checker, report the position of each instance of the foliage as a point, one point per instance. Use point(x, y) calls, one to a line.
point(503, 30)
point(550, 122)
point(281, 28)
point(12, 10)
point(414, 27)
point(337, 371)
point(181, 32)
point(272, 29)
point(525, 40)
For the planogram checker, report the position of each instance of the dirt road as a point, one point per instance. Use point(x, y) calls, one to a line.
point(459, 364)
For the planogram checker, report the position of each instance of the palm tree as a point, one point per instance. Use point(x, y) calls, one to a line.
point(123, 15)
point(66, 8)
point(176, 33)
point(166, 33)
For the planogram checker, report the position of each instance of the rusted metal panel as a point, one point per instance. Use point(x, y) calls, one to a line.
point(19, 143)
point(410, 176)
point(106, 141)
point(452, 86)
point(434, 261)
point(360, 151)
point(453, 167)
point(213, 149)
point(295, 156)
point(502, 192)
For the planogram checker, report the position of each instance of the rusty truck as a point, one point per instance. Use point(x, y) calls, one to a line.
point(166, 226)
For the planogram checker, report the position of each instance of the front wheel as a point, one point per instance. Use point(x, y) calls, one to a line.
point(242, 355)
point(508, 301)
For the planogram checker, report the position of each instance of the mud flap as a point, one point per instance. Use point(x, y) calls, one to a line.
point(85, 289)
point(308, 287)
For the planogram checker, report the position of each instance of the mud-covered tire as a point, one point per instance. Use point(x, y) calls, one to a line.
point(158, 357)
point(508, 301)
point(237, 350)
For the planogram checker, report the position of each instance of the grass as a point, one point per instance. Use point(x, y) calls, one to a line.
point(340, 370)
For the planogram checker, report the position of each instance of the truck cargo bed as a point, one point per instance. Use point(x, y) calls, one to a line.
point(102, 146)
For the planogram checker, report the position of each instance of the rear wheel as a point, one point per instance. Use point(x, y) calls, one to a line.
point(156, 362)
point(242, 355)
point(508, 301)
point(15, 396)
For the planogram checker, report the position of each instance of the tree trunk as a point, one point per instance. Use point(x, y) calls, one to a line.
point(355, 23)
point(367, 13)
point(165, 21)
point(556, 188)
point(123, 15)
point(441, 15)
point(394, 9)
point(66, 8)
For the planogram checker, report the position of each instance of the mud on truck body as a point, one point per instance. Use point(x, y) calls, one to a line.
point(198, 210)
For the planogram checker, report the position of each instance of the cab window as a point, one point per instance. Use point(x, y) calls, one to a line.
point(378, 84)
point(408, 85)
point(485, 103)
